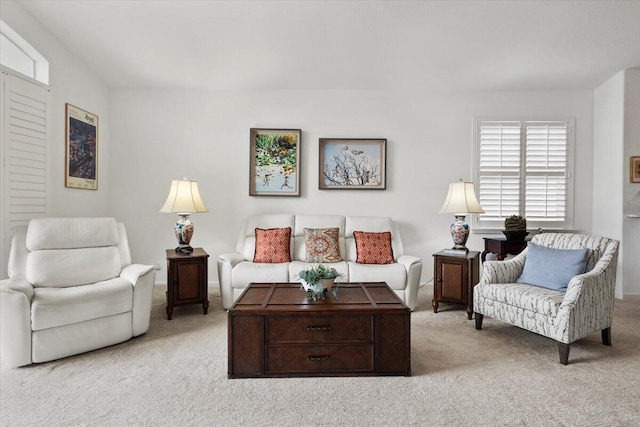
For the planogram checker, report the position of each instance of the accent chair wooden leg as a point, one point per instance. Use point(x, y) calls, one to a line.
point(563, 350)
point(606, 336)
point(479, 318)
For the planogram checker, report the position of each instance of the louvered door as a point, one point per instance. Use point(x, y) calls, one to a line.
point(25, 193)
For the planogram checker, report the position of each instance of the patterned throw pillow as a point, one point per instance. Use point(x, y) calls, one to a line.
point(322, 245)
point(373, 248)
point(273, 245)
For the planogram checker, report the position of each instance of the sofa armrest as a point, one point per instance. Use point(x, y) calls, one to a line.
point(15, 322)
point(226, 262)
point(413, 265)
point(142, 277)
point(408, 261)
point(232, 258)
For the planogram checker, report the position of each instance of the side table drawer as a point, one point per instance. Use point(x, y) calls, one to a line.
point(292, 359)
point(319, 329)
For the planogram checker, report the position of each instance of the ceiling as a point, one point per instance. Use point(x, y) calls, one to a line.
point(360, 45)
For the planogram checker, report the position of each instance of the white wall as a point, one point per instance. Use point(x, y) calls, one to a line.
point(71, 82)
point(631, 226)
point(160, 135)
point(608, 143)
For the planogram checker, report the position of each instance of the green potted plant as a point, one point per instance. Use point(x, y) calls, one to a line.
point(318, 280)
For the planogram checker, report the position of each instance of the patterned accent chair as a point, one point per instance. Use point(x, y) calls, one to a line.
point(584, 308)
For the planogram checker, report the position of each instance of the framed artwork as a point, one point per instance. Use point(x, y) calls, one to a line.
point(81, 159)
point(635, 170)
point(354, 164)
point(275, 162)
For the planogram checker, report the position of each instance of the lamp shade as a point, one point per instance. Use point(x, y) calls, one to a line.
point(461, 199)
point(184, 197)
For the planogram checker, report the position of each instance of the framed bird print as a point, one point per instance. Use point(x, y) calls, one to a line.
point(352, 164)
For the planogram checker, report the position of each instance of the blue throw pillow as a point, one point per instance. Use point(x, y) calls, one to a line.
point(552, 268)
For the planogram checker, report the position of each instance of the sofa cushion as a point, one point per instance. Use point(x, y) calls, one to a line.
point(273, 245)
point(53, 307)
point(373, 248)
point(394, 274)
point(322, 245)
point(552, 268)
point(72, 267)
point(247, 272)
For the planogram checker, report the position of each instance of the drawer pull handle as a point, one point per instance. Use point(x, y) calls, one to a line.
point(318, 358)
point(319, 328)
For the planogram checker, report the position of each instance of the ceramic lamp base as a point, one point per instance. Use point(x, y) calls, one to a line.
point(459, 233)
point(184, 232)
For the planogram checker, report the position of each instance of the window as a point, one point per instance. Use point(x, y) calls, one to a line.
point(524, 168)
point(20, 56)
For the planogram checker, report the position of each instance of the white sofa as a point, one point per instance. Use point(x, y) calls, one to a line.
point(236, 270)
point(71, 289)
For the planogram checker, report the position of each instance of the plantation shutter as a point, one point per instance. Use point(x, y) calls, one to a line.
point(523, 168)
point(499, 170)
point(546, 171)
point(24, 155)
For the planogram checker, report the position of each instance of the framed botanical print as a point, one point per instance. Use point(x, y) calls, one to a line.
point(275, 162)
point(354, 164)
point(81, 159)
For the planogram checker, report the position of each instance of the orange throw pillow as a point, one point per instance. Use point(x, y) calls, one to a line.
point(272, 245)
point(373, 248)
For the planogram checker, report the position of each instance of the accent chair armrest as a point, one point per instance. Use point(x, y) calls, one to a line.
point(588, 293)
point(503, 271)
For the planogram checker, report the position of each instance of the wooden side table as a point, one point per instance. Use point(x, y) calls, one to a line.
point(503, 247)
point(454, 278)
point(187, 277)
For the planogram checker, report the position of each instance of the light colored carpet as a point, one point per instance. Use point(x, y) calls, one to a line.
point(176, 375)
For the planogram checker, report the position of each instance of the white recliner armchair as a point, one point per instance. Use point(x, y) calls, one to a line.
point(71, 289)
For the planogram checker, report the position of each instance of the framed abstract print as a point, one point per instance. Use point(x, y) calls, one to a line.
point(81, 159)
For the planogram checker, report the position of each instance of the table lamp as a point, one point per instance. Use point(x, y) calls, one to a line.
point(461, 200)
point(184, 199)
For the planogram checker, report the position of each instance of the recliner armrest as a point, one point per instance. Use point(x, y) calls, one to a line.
point(17, 285)
point(133, 272)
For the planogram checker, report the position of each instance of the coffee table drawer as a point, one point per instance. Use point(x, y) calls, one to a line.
point(291, 359)
point(319, 329)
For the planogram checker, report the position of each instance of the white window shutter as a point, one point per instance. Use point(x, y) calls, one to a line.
point(523, 168)
point(499, 169)
point(24, 155)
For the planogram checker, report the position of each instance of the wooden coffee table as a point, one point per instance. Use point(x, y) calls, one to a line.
point(275, 331)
